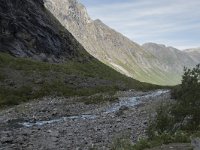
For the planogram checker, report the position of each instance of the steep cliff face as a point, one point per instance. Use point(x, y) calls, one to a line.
point(116, 50)
point(27, 29)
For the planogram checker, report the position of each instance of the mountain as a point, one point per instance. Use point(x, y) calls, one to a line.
point(194, 53)
point(116, 50)
point(169, 58)
point(39, 57)
point(29, 30)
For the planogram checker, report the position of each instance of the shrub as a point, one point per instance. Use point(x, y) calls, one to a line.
point(142, 144)
point(188, 98)
point(122, 144)
point(2, 77)
point(163, 121)
point(184, 113)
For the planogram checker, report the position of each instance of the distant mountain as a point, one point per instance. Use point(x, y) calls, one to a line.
point(169, 58)
point(114, 49)
point(194, 53)
point(39, 57)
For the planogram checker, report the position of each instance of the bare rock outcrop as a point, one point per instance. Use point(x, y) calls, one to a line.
point(27, 29)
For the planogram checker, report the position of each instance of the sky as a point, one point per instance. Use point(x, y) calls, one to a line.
point(171, 22)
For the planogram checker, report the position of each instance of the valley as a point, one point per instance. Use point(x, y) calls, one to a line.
point(68, 82)
point(152, 63)
point(57, 122)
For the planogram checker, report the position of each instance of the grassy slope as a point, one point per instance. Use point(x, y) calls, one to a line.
point(22, 79)
point(152, 76)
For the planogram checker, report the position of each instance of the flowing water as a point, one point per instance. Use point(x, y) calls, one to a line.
point(126, 101)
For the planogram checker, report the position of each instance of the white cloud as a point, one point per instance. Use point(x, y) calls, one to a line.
point(168, 21)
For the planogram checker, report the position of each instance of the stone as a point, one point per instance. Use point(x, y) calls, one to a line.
point(69, 134)
point(196, 143)
point(54, 133)
point(7, 140)
point(123, 108)
point(39, 81)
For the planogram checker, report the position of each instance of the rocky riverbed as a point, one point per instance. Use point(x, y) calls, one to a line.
point(60, 123)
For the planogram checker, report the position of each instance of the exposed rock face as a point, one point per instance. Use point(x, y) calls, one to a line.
point(27, 29)
point(113, 48)
point(196, 143)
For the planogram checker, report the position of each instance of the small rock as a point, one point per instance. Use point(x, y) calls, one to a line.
point(10, 82)
point(39, 81)
point(54, 134)
point(196, 143)
point(8, 140)
point(54, 113)
point(118, 120)
point(123, 108)
point(145, 122)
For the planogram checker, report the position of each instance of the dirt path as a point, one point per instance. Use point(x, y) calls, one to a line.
point(59, 123)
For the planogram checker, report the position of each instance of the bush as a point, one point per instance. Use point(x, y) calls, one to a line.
point(176, 122)
point(2, 77)
point(122, 144)
point(142, 144)
point(188, 99)
point(122, 141)
point(162, 123)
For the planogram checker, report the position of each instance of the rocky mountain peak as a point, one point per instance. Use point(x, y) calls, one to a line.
point(153, 45)
point(159, 48)
point(71, 10)
point(98, 21)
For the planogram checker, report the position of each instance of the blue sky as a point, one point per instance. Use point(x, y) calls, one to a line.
point(171, 22)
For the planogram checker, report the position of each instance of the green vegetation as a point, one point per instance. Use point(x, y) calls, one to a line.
point(122, 144)
point(188, 100)
point(175, 122)
point(183, 115)
point(164, 138)
point(155, 76)
point(1, 76)
point(23, 79)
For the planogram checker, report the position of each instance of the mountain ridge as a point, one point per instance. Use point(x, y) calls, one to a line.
point(113, 48)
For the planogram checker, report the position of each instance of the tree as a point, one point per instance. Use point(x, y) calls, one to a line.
point(188, 98)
